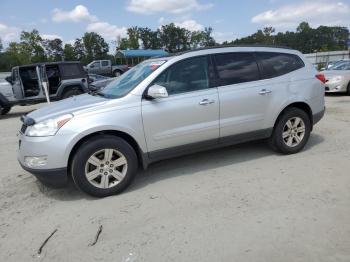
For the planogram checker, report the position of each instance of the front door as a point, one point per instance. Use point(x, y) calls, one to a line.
point(189, 116)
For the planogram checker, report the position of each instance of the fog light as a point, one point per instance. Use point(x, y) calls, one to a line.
point(35, 161)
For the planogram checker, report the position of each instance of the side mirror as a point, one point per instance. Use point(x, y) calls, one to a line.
point(9, 79)
point(157, 91)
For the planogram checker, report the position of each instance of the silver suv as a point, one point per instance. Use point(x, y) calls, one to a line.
point(171, 106)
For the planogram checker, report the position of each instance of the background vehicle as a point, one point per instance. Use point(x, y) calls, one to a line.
point(64, 79)
point(105, 67)
point(338, 78)
point(95, 77)
point(171, 106)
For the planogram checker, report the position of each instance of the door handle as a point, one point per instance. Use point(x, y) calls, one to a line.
point(205, 102)
point(264, 92)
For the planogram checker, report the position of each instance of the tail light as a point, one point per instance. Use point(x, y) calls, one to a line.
point(322, 78)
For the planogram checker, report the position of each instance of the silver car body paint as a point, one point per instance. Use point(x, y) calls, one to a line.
point(178, 119)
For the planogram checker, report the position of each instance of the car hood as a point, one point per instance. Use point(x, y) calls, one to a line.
point(70, 105)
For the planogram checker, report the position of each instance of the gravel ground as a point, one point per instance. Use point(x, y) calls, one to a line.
point(241, 203)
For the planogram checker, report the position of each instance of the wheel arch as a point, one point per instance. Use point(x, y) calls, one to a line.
point(67, 87)
point(301, 105)
point(141, 156)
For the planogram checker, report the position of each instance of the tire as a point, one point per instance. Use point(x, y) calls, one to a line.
point(288, 140)
point(348, 90)
point(4, 110)
point(103, 181)
point(72, 92)
point(117, 73)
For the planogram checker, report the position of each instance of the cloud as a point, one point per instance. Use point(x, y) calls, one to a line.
point(224, 36)
point(167, 6)
point(316, 13)
point(78, 14)
point(190, 25)
point(50, 36)
point(106, 30)
point(9, 33)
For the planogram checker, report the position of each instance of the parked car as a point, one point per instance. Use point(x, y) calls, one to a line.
point(338, 78)
point(172, 106)
point(105, 67)
point(64, 79)
point(94, 77)
point(97, 85)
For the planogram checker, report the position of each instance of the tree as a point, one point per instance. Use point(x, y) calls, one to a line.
point(149, 39)
point(208, 39)
point(54, 49)
point(32, 45)
point(95, 46)
point(68, 53)
point(133, 34)
point(79, 49)
point(1, 46)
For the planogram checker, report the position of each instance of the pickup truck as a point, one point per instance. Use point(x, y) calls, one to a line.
point(105, 67)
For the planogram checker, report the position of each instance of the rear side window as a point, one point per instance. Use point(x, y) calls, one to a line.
point(71, 71)
point(234, 68)
point(104, 63)
point(277, 64)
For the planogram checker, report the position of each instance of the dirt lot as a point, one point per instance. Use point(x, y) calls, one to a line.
point(242, 203)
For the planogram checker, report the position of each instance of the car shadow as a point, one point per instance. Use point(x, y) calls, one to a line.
point(182, 166)
point(12, 115)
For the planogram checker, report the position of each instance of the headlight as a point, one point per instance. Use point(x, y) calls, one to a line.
point(337, 79)
point(48, 127)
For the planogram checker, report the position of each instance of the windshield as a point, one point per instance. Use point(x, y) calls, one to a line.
point(341, 66)
point(129, 80)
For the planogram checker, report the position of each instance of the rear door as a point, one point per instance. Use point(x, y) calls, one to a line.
point(243, 100)
point(189, 116)
point(106, 67)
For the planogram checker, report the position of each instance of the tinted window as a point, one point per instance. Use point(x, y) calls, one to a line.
point(277, 64)
point(234, 68)
point(71, 71)
point(185, 76)
point(96, 64)
point(104, 63)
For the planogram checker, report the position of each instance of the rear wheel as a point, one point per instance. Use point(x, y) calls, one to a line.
point(71, 92)
point(104, 166)
point(348, 90)
point(117, 73)
point(4, 110)
point(291, 132)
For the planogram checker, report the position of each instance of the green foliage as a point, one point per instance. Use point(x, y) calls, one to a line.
point(94, 45)
point(53, 49)
point(305, 39)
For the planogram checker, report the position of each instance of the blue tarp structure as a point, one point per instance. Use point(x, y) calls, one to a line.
point(146, 53)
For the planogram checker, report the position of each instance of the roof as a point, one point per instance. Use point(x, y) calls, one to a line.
point(52, 63)
point(141, 53)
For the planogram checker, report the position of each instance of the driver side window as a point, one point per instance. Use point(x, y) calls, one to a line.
point(185, 76)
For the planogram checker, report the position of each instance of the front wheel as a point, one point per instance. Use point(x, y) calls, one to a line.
point(104, 166)
point(291, 132)
point(4, 110)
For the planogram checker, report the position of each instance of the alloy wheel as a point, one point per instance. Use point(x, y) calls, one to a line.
point(106, 168)
point(293, 131)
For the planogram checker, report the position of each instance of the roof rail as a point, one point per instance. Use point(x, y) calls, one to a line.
point(225, 46)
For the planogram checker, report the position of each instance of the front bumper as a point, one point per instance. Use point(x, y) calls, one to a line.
point(335, 87)
point(53, 177)
point(55, 149)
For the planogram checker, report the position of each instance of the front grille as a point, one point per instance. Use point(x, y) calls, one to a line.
point(23, 129)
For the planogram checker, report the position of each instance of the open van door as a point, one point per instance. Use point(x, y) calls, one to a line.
point(17, 84)
point(41, 72)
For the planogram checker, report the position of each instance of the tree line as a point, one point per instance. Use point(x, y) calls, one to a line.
point(32, 48)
